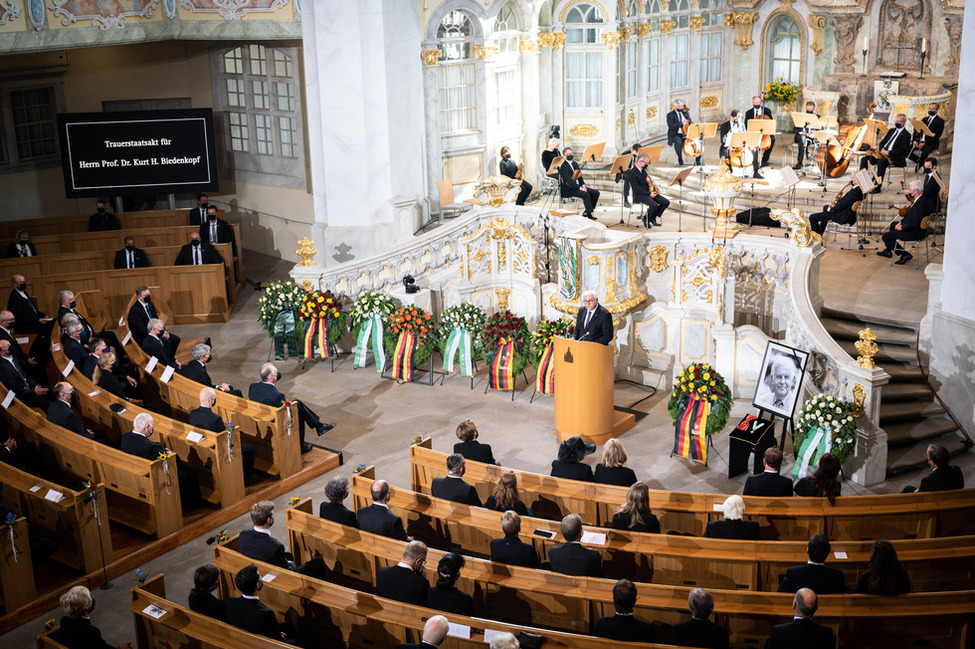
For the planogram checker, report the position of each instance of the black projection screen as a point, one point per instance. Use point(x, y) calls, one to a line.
point(139, 152)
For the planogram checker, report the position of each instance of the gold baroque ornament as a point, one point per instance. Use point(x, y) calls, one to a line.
point(306, 252)
point(729, 20)
point(631, 118)
point(584, 130)
point(643, 30)
point(867, 348)
point(651, 112)
point(559, 39)
point(484, 52)
point(430, 57)
point(528, 45)
point(859, 396)
point(696, 22)
point(745, 21)
point(667, 26)
point(546, 39)
point(818, 26)
point(658, 259)
point(611, 39)
point(625, 33)
point(709, 102)
point(619, 307)
point(307, 286)
point(502, 294)
point(799, 230)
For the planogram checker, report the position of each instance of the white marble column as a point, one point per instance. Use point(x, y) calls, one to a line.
point(364, 104)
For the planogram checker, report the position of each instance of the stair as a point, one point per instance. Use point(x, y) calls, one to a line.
point(908, 412)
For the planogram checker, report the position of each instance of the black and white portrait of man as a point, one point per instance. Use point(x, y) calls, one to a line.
point(779, 380)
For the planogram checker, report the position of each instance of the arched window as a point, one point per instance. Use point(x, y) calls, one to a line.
point(712, 40)
point(506, 30)
point(577, 21)
point(784, 49)
point(652, 9)
point(583, 63)
point(680, 41)
point(454, 36)
point(456, 74)
point(506, 86)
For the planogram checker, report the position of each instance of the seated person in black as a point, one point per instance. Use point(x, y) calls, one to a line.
point(201, 599)
point(130, 256)
point(508, 168)
point(157, 343)
point(611, 470)
point(699, 631)
point(815, 575)
point(733, 527)
point(23, 455)
point(943, 476)
point(635, 514)
point(842, 212)
point(247, 612)
point(104, 377)
point(824, 482)
point(572, 184)
point(376, 518)
point(77, 631)
point(102, 220)
point(769, 484)
point(136, 442)
point(204, 417)
point(445, 596)
point(453, 486)
point(623, 626)
point(196, 369)
point(639, 178)
point(569, 463)
point(405, 582)
point(258, 544)
point(60, 413)
point(511, 549)
point(434, 633)
point(505, 496)
point(13, 378)
point(336, 491)
point(267, 393)
point(571, 558)
point(469, 447)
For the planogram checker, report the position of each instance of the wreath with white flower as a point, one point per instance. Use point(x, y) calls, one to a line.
point(466, 316)
point(367, 304)
point(278, 297)
point(825, 411)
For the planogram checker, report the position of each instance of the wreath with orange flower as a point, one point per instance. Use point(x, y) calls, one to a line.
point(416, 320)
point(323, 304)
point(704, 381)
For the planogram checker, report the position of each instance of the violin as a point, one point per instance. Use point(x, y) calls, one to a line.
point(904, 209)
point(654, 190)
point(521, 168)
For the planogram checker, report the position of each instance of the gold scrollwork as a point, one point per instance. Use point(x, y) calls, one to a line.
point(430, 57)
point(643, 30)
point(658, 259)
point(583, 130)
point(619, 307)
point(859, 396)
point(610, 289)
point(528, 45)
point(625, 33)
point(709, 102)
point(307, 286)
point(667, 26)
point(484, 52)
point(546, 39)
point(306, 252)
point(631, 118)
point(799, 229)
point(717, 260)
point(592, 260)
point(696, 22)
point(729, 20)
point(867, 348)
point(559, 39)
point(818, 26)
point(502, 294)
point(651, 112)
point(745, 22)
point(632, 269)
point(611, 39)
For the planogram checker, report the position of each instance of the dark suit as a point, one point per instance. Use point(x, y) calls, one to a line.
point(80, 633)
point(13, 250)
point(801, 633)
point(514, 551)
point(474, 451)
point(929, 145)
point(650, 524)
point(13, 377)
point(26, 315)
point(756, 113)
point(801, 137)
point(251, 615)
point(337, 513)
point(841, 213)
point(573, 559)
point(656, 205)
point(624, 628)
point(898, 143)
point(725, 149)
point(139, 258)
point(625, 177)
point(61, 414)
point(943, 479)
point(547, 158)
point(88, 368)
point(510, 169)
point(207, 604)
point(402, 584)
point(416, 645)
point(138, 321)
point(821, 579)
point(675, 120)
point(729, 529)
point(35, 371)
point(768, 484)
point(198, 215)
point(572, 470)
point(267, 394)
point(225, 234)
point(135, 443)
point(572, 187)
point(910, 226)
point(157, 347)
point(600, 328)
point(197, 371)
point(455, 489)
point(263, 547)
point(700, 633)
point(102, 222)
point(110, 383)
point(622, 476)
point(75, 351)
point(206, 419)
point(379, 520)
point(208, 255)
point(450, 600)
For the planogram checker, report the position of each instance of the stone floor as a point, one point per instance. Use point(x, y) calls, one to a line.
point(378, 418)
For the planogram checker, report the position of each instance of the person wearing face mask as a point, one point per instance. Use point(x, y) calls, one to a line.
point(510, 169)
point(68, 308)
point(196, 253)
point(130, 256)
point(60, 413)
point(405, 582)
point(574, 186)
point(922, 145)
point(13, 377)
point(106, 376)
point(893, 148)
point(199, 213)
point(759, 111)
point(205, 419)
point(29, 319)
point(216, 230)
point(137, 442)
point(77, 631)
point(265, 392)
point(803, 136)
point(102, 220)
point(21, 246)
point(141, 312)
point(196, 370)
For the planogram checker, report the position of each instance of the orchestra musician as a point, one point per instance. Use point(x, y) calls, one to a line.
point(622, 175)
point(736, 125)
point(550, 153)
point(675, 121)
point(841, 211)
point(921, 144)
point(803, 136)
point(756, 112)
point(909, 228)
point(572, 184)
point(893, 150)
point(512, 170)
point(644, 191)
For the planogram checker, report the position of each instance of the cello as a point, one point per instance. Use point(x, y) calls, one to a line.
point(833, 160)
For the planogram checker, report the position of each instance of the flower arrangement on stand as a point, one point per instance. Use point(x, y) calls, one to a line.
point(278, 297)
point(781, 91)
point(505, 341)
point(824, 424)
point(459, 334)
point(410, 339)
point(320, 312)
point(700, 405)
point(366, 318)
point(542, 352)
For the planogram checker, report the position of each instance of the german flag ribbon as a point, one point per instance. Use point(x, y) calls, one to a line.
point(317, 334)
point(502, 374)
point(403, 356)
point(545, 379)
point(459, 344)
point(689, 438)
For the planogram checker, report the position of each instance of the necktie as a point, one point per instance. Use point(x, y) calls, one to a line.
point(196, 256)
point(23, 250)
point(20, 372)
point(213, 232)
point(897, 134)
point(585, 325)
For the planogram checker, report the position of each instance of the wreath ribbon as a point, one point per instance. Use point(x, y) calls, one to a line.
point(284, 333)
point(818, 441)
point(371, 328)
point(13, 543)
point(502, 374)
point(545, 379)
point(689, 437)
point(459, 343)
point(317, 334)
point(403, 356)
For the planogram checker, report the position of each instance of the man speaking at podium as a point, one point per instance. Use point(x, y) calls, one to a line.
point(594, 323)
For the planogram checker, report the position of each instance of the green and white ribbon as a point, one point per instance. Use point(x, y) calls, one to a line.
point(818, 441)
point(372, 327)
point(459, 341)
point(13, 543)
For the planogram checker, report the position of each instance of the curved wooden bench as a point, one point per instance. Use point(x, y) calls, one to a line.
point(78, 223)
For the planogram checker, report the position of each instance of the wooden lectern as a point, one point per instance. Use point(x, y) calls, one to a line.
point(584, 392)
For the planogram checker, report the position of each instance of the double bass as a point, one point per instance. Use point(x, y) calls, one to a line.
point(834, 159)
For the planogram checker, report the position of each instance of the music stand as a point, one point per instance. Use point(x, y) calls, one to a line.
point(750, 140)
point(829, 123)
point(553, 170)
point(679, 180)
point(875, 128)
point(653, 152)
point(918, 126)
point(620, 166)
point(593, 152)
point(825, 140)
point(788, 175)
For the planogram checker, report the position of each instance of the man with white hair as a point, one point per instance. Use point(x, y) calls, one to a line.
point(204, 418)
point(593, 322)
point(196, 369)
point(265, 392)
point(154, 344)
point(136, 442)
point(434, 633)
point(777, 391)
point(71, 343)
point(733, 527)
point(67, 307)
point(909, 228)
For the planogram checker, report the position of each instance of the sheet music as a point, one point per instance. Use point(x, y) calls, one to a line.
point(789, 175)
point(863, 177)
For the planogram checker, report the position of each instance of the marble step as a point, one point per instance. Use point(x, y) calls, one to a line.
point(909, 432)
point(850, 330)
point(901, 411)
point(893, 392)
point(910, 457)
point(869, 320)
point(903, 373)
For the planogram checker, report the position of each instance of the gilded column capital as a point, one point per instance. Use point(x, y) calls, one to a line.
point(484, 52)
point(745, 22)
point(818, 26)
point(696, 22)
point(431, 56)
point(625, 33)
point(528, 45)
point(611, 39)
point(667, 26)
point(643, 30)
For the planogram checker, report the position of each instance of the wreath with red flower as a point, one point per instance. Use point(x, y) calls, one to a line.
point(704, 381)
point(416, 320)
point(323, 304)
point(545, 333)
point(504, 325)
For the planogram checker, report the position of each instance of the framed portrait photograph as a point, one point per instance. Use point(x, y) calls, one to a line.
point(779, 379)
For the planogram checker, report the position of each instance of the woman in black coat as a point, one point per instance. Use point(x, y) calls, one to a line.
point(611, 470)
point(201, 597)
point(635, 515)
point(469, 447)
point(569, 463)
point(445, 596)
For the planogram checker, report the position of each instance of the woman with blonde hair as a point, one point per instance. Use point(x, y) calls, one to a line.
point(505, 496)
point(635, 514)
point(469, 447)
point(104, 378)
point(611, 470)
point(550, 153)
point(77, 631)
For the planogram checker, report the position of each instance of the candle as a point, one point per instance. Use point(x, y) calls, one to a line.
point(866, 43)
point(924, 45)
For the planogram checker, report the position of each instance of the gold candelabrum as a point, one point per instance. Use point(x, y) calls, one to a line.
point(722, 187)
point(867, 348)
point(306, 252)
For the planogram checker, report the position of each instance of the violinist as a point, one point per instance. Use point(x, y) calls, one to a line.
point(893, 150)
point(840, 211)
point(908, 228)
point(644, 191)
point(923, 145)
point(572, 185)
point(676, 120)
point(803, 136)
point(512, 170)
point(758, 111)
point(735, 125)
point(634, 152)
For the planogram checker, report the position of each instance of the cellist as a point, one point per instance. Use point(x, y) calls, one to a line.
point(758, 111)
point(677, 119)
point(735, 125)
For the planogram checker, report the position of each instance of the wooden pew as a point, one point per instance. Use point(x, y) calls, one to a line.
point(339, 615)
point(73, 224)
point(17, 585)
point(939, 564)
point(216, 458)
point(71, 520)
point(894, 516)
point(272, 431)
point(139, 494)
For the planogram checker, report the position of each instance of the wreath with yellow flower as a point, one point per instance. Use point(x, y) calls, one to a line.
point(703, 380)
point(416, 320)
point(544, 334)
point(323, 304)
